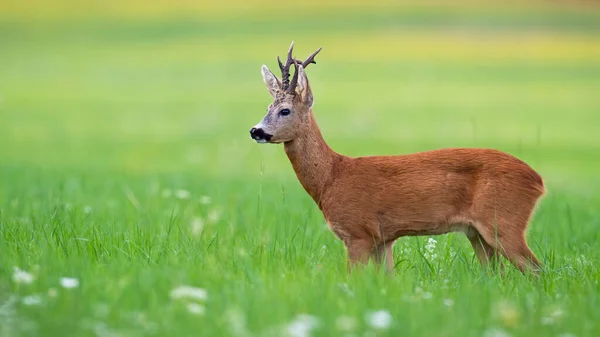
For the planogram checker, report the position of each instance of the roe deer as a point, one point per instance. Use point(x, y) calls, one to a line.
point(369, 202)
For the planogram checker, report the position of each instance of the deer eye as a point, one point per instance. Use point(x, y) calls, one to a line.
point(284, 112)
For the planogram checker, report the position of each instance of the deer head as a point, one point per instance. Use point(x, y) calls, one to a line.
point(288, 115)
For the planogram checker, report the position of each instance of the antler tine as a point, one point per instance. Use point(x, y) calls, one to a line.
point(294, 82)
point(311, 58)
point(288, 86)
point(285, 69)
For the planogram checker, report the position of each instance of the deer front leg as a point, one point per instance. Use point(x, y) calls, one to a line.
point(383, 253)
point(359, 252)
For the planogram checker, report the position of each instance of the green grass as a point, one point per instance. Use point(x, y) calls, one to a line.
point(106, 122)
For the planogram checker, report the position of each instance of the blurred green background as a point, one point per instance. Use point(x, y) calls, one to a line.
point(172, 85)
point(125, 162)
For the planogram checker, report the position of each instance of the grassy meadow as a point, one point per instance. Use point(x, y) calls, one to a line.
point(133, 202)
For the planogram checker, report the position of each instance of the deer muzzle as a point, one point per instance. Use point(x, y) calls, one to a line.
point(259, 135)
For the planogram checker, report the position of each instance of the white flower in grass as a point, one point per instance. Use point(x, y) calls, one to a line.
point(344, 288)
point(195, 308)
point(182, 194)
point(431, 242)
point(22, 277)
point(214, 216)
point(552, 317)
point(430, 249)
point(32, 300)
point(493, 332)
point(237, 323)
point(197, 226)
point(205, 199)
point(448, 302)
point(423, 294)
point(346, 323)
point(380, 319)
point(302, 326)
point(188, 292)
point(69, 282)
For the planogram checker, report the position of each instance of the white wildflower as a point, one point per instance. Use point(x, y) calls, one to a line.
point(197, 226)
point(188, 292)
point(32, 300)
point(493, 332)
point(448, 302)
point(552, 316)
point(381, 319)
point(205, 199)
point(195, 308)
point(423, 294)
point(214, 216)
point(302, 326)
point(346, 323)
point(69, 282)
point(430, 249)
point(21, 276)
point(344, 287)
point(237, 323)
point(182, 194)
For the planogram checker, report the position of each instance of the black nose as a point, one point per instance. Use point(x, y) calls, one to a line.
point(259, 134)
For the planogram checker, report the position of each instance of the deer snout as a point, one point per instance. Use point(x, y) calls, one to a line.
point(259, 135)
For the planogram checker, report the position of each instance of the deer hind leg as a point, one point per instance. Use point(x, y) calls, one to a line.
point(487, 255)
point(510, 242)
point(383, 253)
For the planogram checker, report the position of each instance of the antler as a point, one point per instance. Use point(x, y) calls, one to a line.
point(310, 59)
point(288, 86)
point(285, 69)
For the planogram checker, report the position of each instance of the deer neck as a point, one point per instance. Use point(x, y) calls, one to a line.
point(312, 159)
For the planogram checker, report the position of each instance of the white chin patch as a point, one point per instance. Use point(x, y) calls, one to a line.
point(261, 141)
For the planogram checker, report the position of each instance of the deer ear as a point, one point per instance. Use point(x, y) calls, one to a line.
point(303, 87)
point(272, 82)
